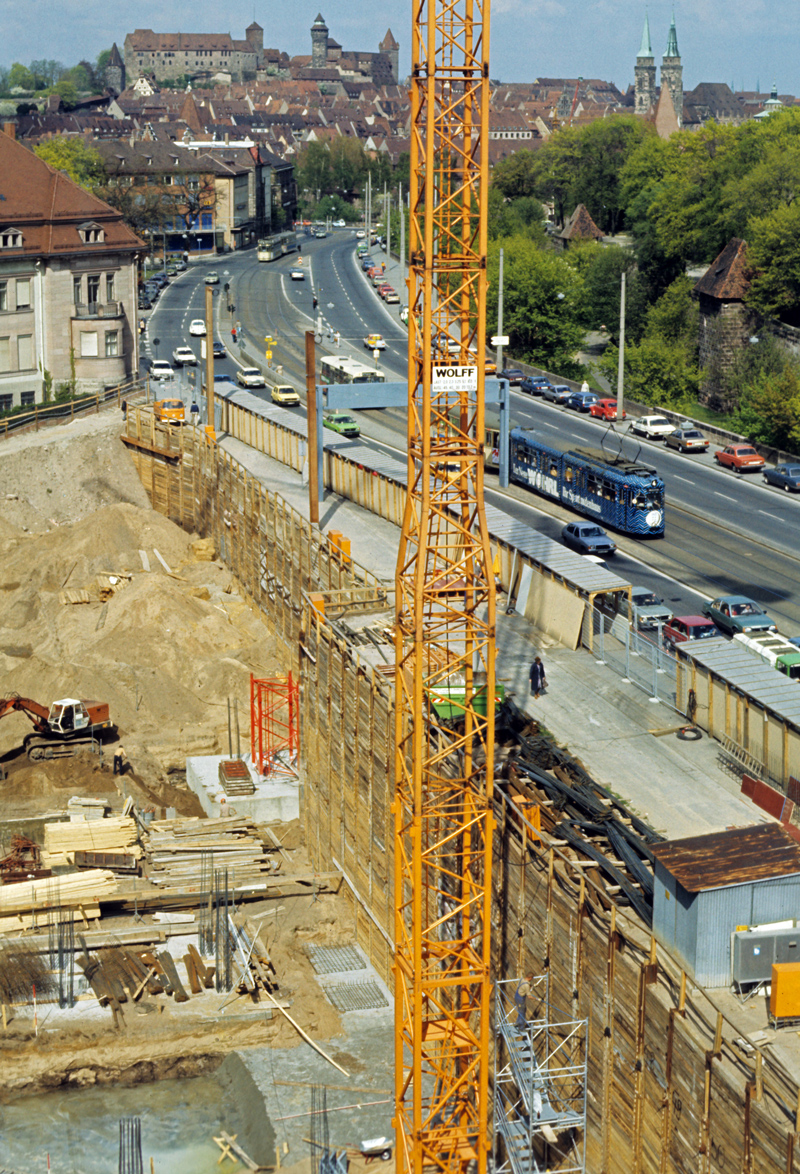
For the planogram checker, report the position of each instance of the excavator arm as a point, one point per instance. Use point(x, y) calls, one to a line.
point(36, 712)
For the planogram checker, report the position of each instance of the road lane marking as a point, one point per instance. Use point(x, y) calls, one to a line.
point(766, 515)
point(686, 479)
point(727, 496)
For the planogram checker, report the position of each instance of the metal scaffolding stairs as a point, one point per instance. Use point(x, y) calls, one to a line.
point(539, 1087)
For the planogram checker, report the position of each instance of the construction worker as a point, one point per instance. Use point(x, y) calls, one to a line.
point(120, 760)
point(521, 995)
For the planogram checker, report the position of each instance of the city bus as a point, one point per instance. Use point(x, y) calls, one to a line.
point(338, 370)
point(270, 248)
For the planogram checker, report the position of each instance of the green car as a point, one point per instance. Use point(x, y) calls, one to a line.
point(342, 423)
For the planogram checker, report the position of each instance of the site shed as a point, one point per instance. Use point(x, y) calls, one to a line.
point(707, 886)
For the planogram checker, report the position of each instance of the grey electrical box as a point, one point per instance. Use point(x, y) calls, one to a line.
point(755, 950)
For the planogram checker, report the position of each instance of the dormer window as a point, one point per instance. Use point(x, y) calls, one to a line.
point(91, 233)
point(10, 238)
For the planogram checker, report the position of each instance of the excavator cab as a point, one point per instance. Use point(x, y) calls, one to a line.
point(67, 716)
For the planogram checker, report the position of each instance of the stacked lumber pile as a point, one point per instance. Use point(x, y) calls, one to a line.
point(118, 974)
point(63, 840)
point(30, 903)
point(175, 846)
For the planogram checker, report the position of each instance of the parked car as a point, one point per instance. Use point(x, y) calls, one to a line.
point(580, 401)
point(181, 265)
point(391, 297)
point(250, 377)
point(169, 411)
point(404, 313)
point(211, 279)
point(557, 393)
point(172, 271)
point(737, 613)
point(342, 423)
point(218, 350)
point(297, 274)
point(184, 356)
point(742, 458)
point(681, 629)
point(360, 234)
point(605, 409)
point(647, 609)
point(443, 344)
point(144, 302)
point(161, 369)
point(534, 384)
point(375, 342)
point(197, 327)
point(653, 427)
point(284, 394)
point(514, 375)
point(587, 538)
point(320, 234)
point(784, 476)
point(686, 439)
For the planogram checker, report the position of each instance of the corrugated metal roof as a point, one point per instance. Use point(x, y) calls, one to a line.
point(746, 671)
point(730, 858)
point(576, 570)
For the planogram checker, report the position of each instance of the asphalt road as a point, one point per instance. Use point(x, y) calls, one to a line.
point(725, 533)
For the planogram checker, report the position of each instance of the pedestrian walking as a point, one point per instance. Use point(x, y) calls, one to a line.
point(233, 333)
point(120, 760)
point(538, 679)
point(521, 995)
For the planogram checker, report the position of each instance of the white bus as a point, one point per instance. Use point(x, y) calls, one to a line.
point(270, 248)
point(338, 370)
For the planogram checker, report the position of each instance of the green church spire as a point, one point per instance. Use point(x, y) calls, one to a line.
point(646, 49)
point(672, 41)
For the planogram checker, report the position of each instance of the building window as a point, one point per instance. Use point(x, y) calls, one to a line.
point(23, 293)
point(89, 345)
point(112, 344)
point(3, 295)
point(25, 351)
point(207, 220)
point(10, 238)
point(5, 354)
point(27, 398)
point(76, 290)
point(92, 293)
point(91, 234)
point(6, 403)
point(109, 287)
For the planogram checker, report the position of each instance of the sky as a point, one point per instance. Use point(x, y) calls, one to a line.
point(742, 42)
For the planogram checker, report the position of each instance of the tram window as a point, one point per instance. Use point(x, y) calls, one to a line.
point(592, 483)
point(568, 474)
point(609, 491)
point(638, 501)
point(553, 469)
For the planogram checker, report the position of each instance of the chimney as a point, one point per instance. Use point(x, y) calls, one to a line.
point(10, 129)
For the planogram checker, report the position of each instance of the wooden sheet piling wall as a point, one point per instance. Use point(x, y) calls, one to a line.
point(669, 1090)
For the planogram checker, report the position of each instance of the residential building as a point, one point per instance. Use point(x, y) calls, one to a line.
point(68, 306)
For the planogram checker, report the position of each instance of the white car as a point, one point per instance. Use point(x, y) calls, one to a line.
point(197, 326)
point(161, 369)
point(211, 279)
point(653, 427)
point(375, 342)
point(184, 356)
point(250, 377)
point(297, 275)
point(337, 224)
point(360, 234)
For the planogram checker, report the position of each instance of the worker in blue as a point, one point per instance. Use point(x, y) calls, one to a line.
point(521, 996)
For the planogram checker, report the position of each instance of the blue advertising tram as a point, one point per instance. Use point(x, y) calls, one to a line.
point(625, 495)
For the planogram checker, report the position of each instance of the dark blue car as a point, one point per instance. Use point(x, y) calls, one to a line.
point(580, 401)
point(534, 384)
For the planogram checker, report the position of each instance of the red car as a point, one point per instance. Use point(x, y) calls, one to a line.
point(606, 409)
point(683, 628)
point(742, 458)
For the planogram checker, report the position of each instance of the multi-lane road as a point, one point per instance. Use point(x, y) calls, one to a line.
point(724, 533)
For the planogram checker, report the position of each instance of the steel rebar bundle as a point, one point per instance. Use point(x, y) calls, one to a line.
point(130, 1145)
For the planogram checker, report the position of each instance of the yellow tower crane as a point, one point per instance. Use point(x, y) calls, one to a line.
point(445, 620)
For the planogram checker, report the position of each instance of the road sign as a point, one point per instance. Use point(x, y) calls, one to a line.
point(453, 377)
point(499, 340)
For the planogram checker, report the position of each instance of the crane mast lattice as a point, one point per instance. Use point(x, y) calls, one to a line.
point(445, 620)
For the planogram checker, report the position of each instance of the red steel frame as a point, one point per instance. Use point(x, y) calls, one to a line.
point(274, 720)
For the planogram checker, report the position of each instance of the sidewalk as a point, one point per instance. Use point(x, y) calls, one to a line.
point(679, 787)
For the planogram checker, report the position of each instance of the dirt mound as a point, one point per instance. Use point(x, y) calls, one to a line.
point(165, 637)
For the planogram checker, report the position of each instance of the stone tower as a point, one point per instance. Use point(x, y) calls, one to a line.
point(672, 72)
point(319, 43)
point(114, 76)
point(255, 37)
point(390, 47)
point(645, 73)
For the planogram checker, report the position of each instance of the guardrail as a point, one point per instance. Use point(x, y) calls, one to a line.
point(42, 415)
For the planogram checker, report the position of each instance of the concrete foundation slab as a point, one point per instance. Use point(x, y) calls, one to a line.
point(274, 797)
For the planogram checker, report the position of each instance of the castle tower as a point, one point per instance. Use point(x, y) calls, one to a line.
point(390, 47)
point(319, 43)
point(672, 72)
point(255, 37)
point(645, 73)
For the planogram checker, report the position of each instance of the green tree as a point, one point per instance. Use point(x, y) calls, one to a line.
point(541, 304)
point(314, 170)
point(81, 163)
point(554, 171)
point(523, 216)
point(20, 77)
point(774, 252)
point(769, 408)
point(103, 59)
point(659, 373)
point(516, 175)
point(602, 267)
point(604, 147)
point(347, 166)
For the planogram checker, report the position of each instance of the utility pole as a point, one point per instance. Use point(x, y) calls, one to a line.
point(313, 439)
point(499, 349)
point(402, 240)
point(621, 362)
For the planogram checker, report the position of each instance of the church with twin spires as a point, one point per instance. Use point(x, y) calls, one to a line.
point(646, 93)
